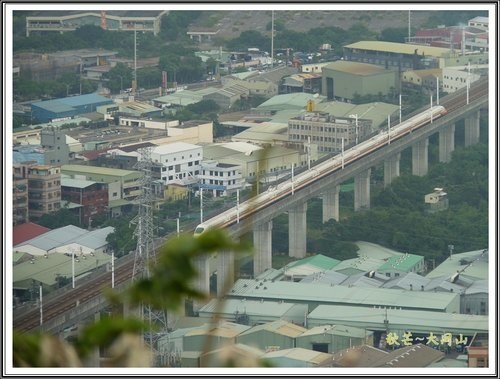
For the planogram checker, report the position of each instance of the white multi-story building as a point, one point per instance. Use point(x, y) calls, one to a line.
point(220, 178)
point(327, 131)
point(180, 162)
point(455, 78)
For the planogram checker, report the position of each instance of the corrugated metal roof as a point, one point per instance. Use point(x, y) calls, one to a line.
point(319, 260)
point(300, 354)
point(400, 48)
point(416, 281)
point(224, 330)
point(27, 231)
point(415, 320)
point(46, 270)
point(95, 238)
point(338, 330)
point(459, 262)
point(249, 307)
point(356, 68)
point(327, 278)
point(404, 262)
point(72, 169)
point(66, 104)
point(360, 264)
point(76, 183)
point(282, 327)
point(297, 100)
point(55, 237)
point(311, 292)
point(480, 286)
point(175, 147)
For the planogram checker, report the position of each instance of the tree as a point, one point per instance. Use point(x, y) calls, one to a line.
point(119, 77)
point(393, 35)
point(62, 217)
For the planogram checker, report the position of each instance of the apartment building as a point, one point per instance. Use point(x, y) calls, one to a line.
point(44, 190)
point(327, 131)
point(19, 194)
point(220, 178)
point(180, 162)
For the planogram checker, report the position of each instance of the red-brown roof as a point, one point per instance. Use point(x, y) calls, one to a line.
point(27, 231)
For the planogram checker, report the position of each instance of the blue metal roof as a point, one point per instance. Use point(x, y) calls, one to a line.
point(66, 104)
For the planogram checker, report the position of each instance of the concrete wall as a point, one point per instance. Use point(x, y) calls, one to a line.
point(346, 85)
point(265, 338)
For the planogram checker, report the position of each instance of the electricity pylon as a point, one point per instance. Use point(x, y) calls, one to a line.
point(145, 253)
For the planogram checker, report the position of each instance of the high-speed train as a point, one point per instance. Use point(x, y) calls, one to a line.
point(287, 188)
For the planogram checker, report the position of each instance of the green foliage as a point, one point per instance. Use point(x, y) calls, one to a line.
point(174, 24)
point(119, 77)
point(394, 35)
point(398, 218)
point(249, 38)
point(62, 217)
point(122, 240)
point(25, 88)
point(449, 17)
point(279, 25)
point(181, 64)
point(104, 332)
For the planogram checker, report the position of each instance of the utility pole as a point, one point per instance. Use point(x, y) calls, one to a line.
point(431, 108)
point(41, 306)
point(389, 129)
point(308, 153)
point(112, 269)
point(437, 91)
point(73, 266)
point(450, 249)
point(238, 206)
point(400, 107)
point(342, 153)
point(144, 257)
point(272, 39)
point(201, 205)
point(134, 87)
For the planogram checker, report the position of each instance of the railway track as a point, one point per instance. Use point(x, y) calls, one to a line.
point(91, 289)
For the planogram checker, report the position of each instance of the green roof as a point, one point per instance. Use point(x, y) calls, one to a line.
point(45, 270)
point(375, 111)
point(318, 260)
point(297, 100)
point(412, 320)
point(343, 295)
point(403, 262)
point(400, 48)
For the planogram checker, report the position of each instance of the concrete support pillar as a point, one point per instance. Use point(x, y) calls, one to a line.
point(331, 204)
point(362, 190)
point(420, 157)
point(391, 169)
point(472, 129)
point(225, 272)
point(446, 143)
point(297, 231)
point(262, 242)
